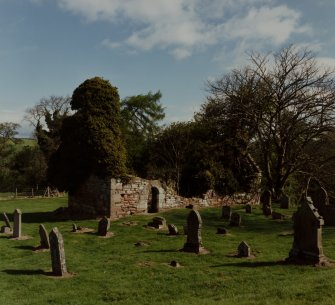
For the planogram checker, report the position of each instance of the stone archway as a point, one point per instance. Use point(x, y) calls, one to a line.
point(153, 200)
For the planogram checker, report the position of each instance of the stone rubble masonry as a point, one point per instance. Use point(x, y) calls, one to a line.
point(112, 198)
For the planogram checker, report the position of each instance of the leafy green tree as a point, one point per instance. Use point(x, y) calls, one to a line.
point(141, 115)
point(91, 140)
point(280, 104)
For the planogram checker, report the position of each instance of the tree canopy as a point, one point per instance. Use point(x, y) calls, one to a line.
point(91, 140)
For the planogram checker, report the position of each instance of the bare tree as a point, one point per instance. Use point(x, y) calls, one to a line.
point(282, 102)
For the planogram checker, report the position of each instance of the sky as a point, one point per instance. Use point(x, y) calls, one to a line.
point(49, 47)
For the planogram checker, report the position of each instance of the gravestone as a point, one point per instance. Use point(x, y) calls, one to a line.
point(7, 229)
point(243, 250)
point(57, 253)
point(235, 220)
point(248, 208)
point(103, 226)
point(6, 220)
point(44, 238)
point(307, 242)
point(267, 210)
point(17, 224)
point(265, 201)
point(221, 231)
point(277, 216)
point(194, 240)
point(74, 228)
point(318, 195)
point(226, 212)
point(284, 201)
point(158, 222)
point(173, 230)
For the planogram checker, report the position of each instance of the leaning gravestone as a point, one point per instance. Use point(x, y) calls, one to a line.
point(17, 224)
point(57, 253)
point(284, 201)
point(103, 226)
point(44, 238)
point(243, 250)
point(235, 220)
point(226, 212)
point(158, 222)
point(173, 230)
point(194, 241)
point(307, 242)
point(7, 227)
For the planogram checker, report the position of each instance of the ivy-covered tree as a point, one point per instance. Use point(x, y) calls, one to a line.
point(91, 139)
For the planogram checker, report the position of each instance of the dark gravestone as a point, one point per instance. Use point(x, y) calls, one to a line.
point(226, 212)
point(243, 249)
point(17, 224)
point(267, 210)
point(221, 231)
point(173, 230)
point(265, 201)
point(235, 220)
point(44, 238)
point(277, 216)
point(57, 253)
point(248, 208)
point(158, 222)
point(103, 226)
point(307, 242)
point(284, 201)
point(194, 241)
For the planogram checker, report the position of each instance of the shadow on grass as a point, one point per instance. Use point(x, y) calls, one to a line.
point(31, 248)
point(252, 264)
point(39, 217)
point(161, 251)
point(26, 272)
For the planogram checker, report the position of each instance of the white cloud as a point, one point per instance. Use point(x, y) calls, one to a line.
point(184, 26)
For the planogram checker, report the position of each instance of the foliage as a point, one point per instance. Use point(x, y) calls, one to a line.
point(140, 116)
point(117, 266)
point(277, 106)
point(91, 141)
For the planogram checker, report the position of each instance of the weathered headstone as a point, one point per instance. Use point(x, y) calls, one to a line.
point(103, 226)
point(44, 237)
point(235, 220)
point(194, 240)
point(307, 242)
point(17, 224)
point(267, 210)
point(265, 201)
point(248, 208)
point(243, 249)
point(173, 230)
point(284, 201)
point(158, 222)
point(74, 228)
point(6, 220)
point(57, 253)
point(226, 212)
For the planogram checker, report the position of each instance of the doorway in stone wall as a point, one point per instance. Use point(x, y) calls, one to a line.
point(153, 201)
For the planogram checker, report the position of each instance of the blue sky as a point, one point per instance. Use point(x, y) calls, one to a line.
point(49, 47)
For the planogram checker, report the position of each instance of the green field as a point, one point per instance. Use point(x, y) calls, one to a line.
point(115, 271)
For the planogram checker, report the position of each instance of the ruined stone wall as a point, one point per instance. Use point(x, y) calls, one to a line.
point(112, 198)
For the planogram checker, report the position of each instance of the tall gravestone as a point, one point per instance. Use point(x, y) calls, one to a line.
point(103, 226)
point(17, 224)
point(226, 212)
point(194, 240)
point(284, 201)
point(57, 253)
point(44, 237)
point(248, 208)
point(307, 242)
point(265, 201)
point(235, 220)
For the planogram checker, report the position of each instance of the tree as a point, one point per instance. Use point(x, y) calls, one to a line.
point(140, 115)
point(279, 104)
point(91, 140)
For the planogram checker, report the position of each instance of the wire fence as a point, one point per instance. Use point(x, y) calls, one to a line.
point(34, 192)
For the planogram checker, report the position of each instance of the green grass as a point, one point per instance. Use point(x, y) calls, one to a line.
point(115, 271)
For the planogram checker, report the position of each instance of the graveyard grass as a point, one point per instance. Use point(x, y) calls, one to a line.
point(115, 271)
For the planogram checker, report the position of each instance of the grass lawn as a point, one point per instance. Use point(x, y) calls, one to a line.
point(115, 271)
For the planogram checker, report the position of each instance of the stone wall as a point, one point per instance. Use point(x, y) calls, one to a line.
point(112, 198)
